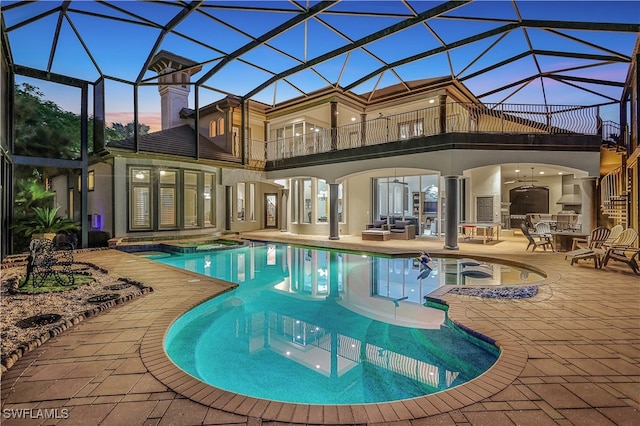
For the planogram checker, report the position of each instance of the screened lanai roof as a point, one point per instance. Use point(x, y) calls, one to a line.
point(533, 52)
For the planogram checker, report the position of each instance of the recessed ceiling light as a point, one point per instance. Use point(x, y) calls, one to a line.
point(431, 101)
point(541, 173)
point(560, 173)
point(517, 170)
point(353, 119)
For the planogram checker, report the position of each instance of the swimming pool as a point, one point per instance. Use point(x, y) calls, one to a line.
point(321, 327)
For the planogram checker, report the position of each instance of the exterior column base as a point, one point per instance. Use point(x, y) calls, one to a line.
point(451, 247)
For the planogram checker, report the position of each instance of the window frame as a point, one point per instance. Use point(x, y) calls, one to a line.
point(158, 206)
point(186, 186)
point(154, 188)
point(132, 186)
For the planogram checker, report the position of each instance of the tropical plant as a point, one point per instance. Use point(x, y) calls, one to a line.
point(30, 193)
point(45, 220)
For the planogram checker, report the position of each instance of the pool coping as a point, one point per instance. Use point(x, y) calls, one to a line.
point(508, 367)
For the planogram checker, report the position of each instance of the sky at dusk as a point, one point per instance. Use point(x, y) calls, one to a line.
point(117, 48)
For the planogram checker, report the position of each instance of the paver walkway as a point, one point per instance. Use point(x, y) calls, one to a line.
point(571, 355)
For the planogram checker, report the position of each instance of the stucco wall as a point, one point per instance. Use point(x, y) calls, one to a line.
point(99, 200)
point(120, 194)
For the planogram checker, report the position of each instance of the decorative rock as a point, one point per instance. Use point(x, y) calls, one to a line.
point(38, 320)
point(101, 298)
point(498, 292)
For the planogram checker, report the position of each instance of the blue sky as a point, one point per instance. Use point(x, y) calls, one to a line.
point(116, 43)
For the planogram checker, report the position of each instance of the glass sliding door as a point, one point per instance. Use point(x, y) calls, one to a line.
point(306, 208)
point(271, 210)
point(409, 198)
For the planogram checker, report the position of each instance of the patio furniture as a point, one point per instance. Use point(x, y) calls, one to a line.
point(402, 230)
point(595, 240)
point(485, 230)
point(623, 245)
point(540, 242)
point(616, 251)
point(542, 230)
point(375, 235)
point(377, 225)
point(65, 240)
point(45, 260)
point(613, 235)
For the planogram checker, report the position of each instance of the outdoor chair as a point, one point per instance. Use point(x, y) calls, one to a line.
point(613, 236)
point(540, 242)
point(402, 230)
point(46, 260)
point(64, 240)
point(379, 225)
point(586, 242)
point(542, 230)
point(625, 244)
point(582, 246)
point(615, 250)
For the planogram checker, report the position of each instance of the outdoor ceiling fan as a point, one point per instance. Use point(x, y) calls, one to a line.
point(396, 180)
point(523, 180)
point(530, 182)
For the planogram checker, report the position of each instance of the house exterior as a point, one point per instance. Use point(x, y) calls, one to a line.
point(331, 162)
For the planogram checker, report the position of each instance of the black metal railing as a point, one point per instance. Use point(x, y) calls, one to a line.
point(460, 118)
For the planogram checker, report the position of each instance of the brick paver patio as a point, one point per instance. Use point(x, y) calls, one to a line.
point(571, 354)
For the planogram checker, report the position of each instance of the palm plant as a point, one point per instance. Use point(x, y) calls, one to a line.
point(30, 193)
point(44, 220)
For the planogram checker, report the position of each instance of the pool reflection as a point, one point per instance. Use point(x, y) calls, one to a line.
point(391, 289)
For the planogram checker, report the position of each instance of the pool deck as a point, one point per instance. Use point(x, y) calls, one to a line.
point(570, 355)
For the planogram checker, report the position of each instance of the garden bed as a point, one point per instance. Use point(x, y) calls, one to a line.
point(71, 305)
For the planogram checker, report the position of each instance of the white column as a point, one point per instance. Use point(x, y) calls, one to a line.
point(451, 212)
point(589, 203)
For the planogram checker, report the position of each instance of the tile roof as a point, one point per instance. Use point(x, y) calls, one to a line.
point(178, 141)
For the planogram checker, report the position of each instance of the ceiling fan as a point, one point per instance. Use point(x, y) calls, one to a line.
point(524, 178)
point(529, 182)
point(396, 180)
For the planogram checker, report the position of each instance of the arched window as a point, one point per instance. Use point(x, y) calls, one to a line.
point(221, 126)
point(212, 129)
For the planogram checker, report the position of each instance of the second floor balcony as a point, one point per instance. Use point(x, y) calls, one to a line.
point(483, 123)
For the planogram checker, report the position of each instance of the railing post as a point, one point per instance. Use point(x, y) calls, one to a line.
point(599, 124)
point(334, 125)
point(442, 122)
point(363, 129)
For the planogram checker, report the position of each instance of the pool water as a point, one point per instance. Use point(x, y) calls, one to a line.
point(322, 327)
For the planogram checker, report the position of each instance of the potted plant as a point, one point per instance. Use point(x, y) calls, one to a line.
point(44, 223)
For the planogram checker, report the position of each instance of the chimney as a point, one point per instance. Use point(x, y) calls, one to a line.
point(174, 77)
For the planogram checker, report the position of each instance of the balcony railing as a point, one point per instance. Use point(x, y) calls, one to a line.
point(613, 195)
point(459, 118)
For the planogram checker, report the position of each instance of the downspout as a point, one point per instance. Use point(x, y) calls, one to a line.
point(196, 121)
point(243, 122)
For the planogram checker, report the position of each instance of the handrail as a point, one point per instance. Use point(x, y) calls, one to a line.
point(460, 118)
